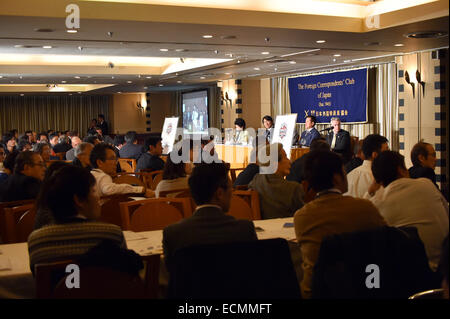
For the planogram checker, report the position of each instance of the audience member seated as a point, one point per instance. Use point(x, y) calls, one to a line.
point(411, 202)
point(63, 145)
point(102, 137)
point(24, 145)
point(330, 212)
point(339, 140)
point(423, 157)
point(360, 179)
point(211, 190)
point(296, 173)
point(70, 154)
point(10, 143)
point(92, 139)
point(53, 139)
point(28, 174)
point(44, 216)
point(8, 165)
point(175, 176)
point(131, 149)
point(82, 155)
point(70, 196)
point(278, 197)
point(119, 141)
point(246, 176)
point(151, 159)
point(357, 159)
point(104, 162)
point(3, 174)
point(44, 150)
point(310, 133)
point(42, 137)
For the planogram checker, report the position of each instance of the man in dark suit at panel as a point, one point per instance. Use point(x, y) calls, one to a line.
point(339, 140)
point(310, 133)
point(131, 149)
point(211, 190)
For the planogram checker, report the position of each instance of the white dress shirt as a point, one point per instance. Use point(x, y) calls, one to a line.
point(417, 203)
point(106, 186)
point(359, 180)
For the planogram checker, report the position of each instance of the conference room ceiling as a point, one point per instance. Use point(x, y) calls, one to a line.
point(141, 51)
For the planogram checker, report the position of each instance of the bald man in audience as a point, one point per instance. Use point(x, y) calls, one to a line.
point(104, 162)
point(70, 154)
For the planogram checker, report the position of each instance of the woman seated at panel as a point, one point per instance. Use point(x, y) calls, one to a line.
point(175, 174)
point(69, 195)
point(278, 197)
point(241, 135)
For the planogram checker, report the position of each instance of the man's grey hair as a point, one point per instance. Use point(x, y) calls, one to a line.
point(81, 148)
point(335, 119)
point(62, 139)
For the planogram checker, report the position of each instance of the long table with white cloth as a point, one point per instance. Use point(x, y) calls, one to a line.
point(16, 280)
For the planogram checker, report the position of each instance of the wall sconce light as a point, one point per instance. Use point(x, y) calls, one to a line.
point(419, 80)
point(228, 99)
point(408, 80)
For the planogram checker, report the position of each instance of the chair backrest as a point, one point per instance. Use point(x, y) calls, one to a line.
point(180, 192)
point(3, 226)
point(19, 223)
point(153, 213)
point(240, 209)
point(397, 258)
point(234, 172)
point(151, 179)
point(110, 209)
point(95, 283)
point(127, 164)
point(128, 179)
point(257, 269)
point(251, 198)
point(429, 294)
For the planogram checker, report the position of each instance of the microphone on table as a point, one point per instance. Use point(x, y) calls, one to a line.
point(327, 129)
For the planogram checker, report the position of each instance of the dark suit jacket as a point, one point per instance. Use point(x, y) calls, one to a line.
point(208, 225)
point(19, 187)
point(131, 151)
point(246, 176)
point(307, 137)
point(148, 161)
point(342, 145)
point(420, 171)
point(104, 127)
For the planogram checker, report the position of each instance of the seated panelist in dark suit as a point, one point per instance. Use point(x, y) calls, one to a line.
point(339, 140)
point(211, 190)
point(131, 149)
point(310, 132)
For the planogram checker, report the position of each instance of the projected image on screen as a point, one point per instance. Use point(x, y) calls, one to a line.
point(195, 112)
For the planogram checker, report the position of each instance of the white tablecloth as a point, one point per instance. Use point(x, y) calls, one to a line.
point(17, 281)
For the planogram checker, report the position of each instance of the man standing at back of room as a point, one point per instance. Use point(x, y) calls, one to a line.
point(103, 124)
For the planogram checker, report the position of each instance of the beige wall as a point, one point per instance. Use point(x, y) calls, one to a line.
point(255, 101)
point(160, 109)
point(126, 116)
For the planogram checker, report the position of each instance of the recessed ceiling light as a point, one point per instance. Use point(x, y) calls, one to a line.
point(202, 77)
point(77, 77)
point(22, 94)
point(119, 92)
point(398, 45)
point(321, 41)
point(180, 50)
point(336, 55)
point(145, 87)
point(256, 69)
point(334, 60)
point(148, 77)
point(129, 81)
point(227, 73)
point(265, 52)
point(70, 93)
point(347, 61)
point(63, 81)
point(178, 81)
point(1, 76)
point(292, 62)
point(19, 46)
point(163, 50)
point(12, 81)
point(47, 47)
point(207, 36)
point(160, 84)
point(71, 31)
point(79, 92)
point(112, 77)
point(21, 77)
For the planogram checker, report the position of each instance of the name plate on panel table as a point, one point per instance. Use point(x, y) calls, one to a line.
point(337, 94)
